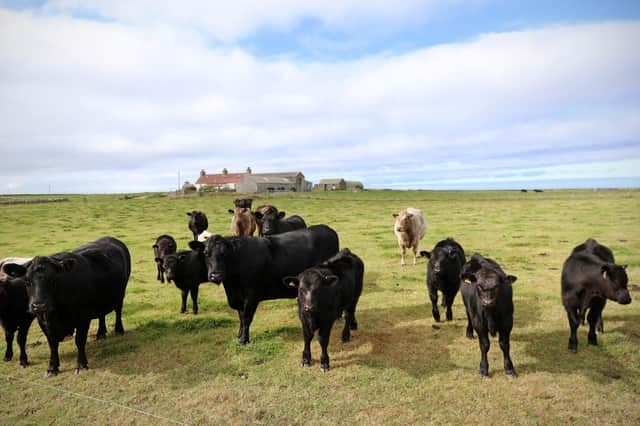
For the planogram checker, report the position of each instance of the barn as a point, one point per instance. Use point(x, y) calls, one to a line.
point(255, 182)
point(331, 185)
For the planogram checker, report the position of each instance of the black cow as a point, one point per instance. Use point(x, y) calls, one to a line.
point(443, 273)
point(14, 313)
point(164, 245)
point(263, 210)
point(324, 292)
point(275, 223)
point(590, 276)
point(187, 270)
point(197, 223)
point(488, 299)
point(251, 269)
point(67, 290)
point(243, 203)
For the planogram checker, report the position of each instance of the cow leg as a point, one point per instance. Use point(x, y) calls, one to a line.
point(433, 295)
point(183, 307)
point(248, 313)
point(600, 323)
point(505, 346)
point(194, 299)
point(81, 340)
point(307, 333)
point(403, 254)
point(160, 276)
point(8, 336)
point(415, 255)
point(469, 332)
point(23, 330)
point(323, 337)
point(119, 328)
point(241, 318)
point(54, 359)
point(485, 345)
point(448, 299)
point(594, 316)
point(574, 322)
point(346, 331)
point(102, 329)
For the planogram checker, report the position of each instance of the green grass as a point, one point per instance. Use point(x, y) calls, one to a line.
point(397, 369)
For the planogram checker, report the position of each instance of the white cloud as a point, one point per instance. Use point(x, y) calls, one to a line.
point(231, 21)
point(81, 96)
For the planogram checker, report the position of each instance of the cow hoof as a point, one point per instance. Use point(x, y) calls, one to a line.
point(353, 325)
point(469, 335)
point(449, 317)
point(101, 336)
point(7, 358)
point(183, 311)
point(511, 374)
point(306, 363)
point(195, 312)
point(573, 349)
point(324, 368)
point(24, 364)
point(81, 367)
point(51, 372)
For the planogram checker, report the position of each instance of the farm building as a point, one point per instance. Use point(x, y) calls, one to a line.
point(331, 185)
point(256, 182)
point(220, 181)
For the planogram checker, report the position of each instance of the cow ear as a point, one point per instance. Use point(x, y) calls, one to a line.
point(395, 215)
point(510, 279)
point(188, 213)
point(155, 246)
point(624, 267)
point(196, 246)
point(291, 282)
point(258, 215)
point(66, 265)
point(231, 211)
point(281, 215)
point(330, 280)
point(426, 254)
point(14, 270)
point(468, 278)
point(606, 271)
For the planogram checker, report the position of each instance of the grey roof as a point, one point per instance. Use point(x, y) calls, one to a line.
point(331, 181)
point(268, 179)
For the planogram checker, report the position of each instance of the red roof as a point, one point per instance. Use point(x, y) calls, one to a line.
point(220, 179)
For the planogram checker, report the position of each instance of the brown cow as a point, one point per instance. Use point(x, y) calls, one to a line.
point(243, 223)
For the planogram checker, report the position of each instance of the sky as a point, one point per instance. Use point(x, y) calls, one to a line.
point(130, 96)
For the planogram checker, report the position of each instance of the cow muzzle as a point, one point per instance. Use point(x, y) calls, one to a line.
point(216, 277)
point(39, 308)
point(623, 297)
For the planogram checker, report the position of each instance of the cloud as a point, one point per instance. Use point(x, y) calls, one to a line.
point(107, 100)
point(232, 21)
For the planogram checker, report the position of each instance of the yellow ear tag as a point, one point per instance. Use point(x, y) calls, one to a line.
point(291, 284)
point(467, 281)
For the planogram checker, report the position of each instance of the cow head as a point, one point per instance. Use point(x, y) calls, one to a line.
point(198, 221)
point(489, 284)
point(442, 259)
point(269, 221)
point(40, 278)
point(10, 274)
point(615, 281)
point(403, 221)
point(243, 202)
point(170, 265)
point(216, 251)
point(311, 285)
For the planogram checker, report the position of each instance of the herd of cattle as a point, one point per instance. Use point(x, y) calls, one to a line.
point(65, 291)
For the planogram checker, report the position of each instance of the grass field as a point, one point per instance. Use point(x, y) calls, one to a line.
point(397, 369)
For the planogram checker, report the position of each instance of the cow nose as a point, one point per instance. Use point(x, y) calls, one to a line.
point(216, 277)
point(38, 307)
point(307, 308)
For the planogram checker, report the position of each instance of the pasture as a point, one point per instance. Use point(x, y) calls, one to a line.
point(397, 369)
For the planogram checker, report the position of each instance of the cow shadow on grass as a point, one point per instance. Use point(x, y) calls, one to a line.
point(597, 363)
